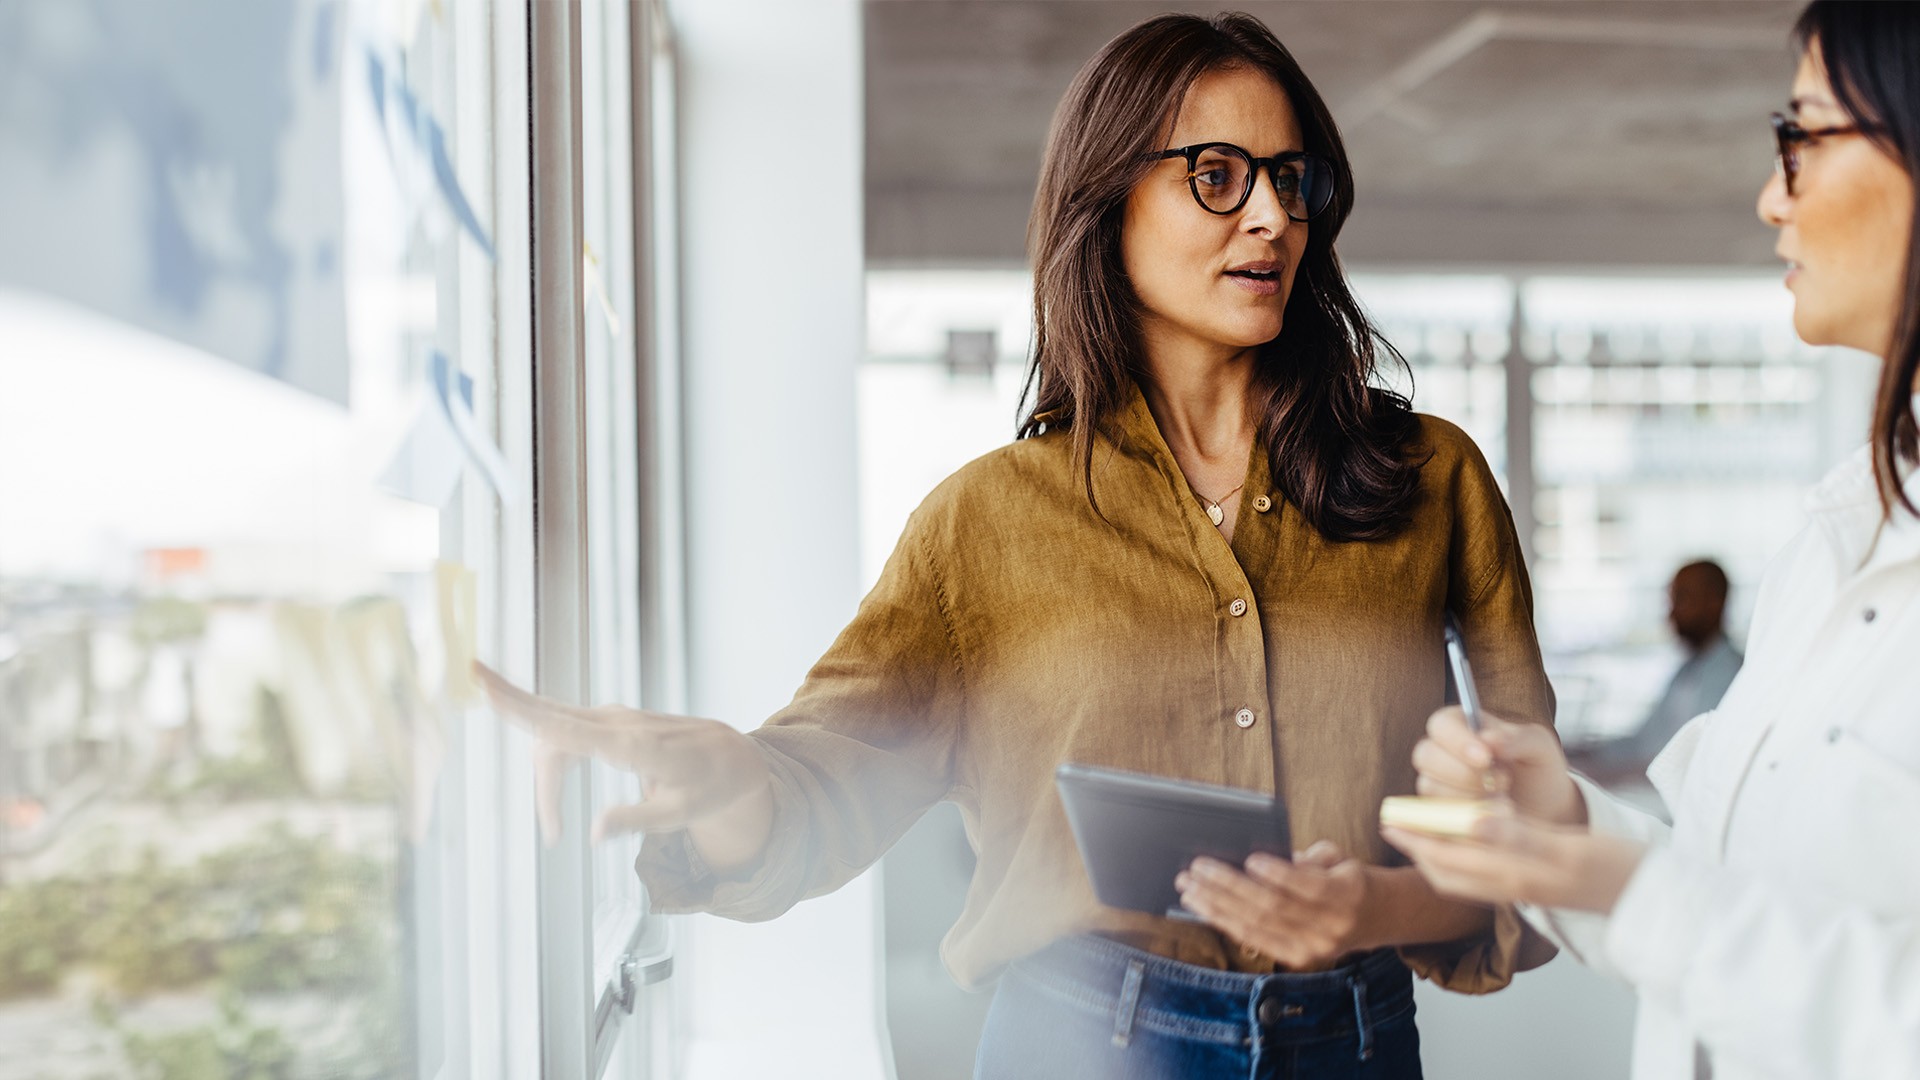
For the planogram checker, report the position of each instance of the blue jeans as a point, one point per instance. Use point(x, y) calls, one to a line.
point(1086, 1007)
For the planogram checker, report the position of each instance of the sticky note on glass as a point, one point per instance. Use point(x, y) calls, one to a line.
point(597, 289)
point(453, 397)
point(427, 466)
point(417, 146)
point(444, 438)
point(459, 608)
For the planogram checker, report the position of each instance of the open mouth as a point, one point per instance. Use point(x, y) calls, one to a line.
point(1258, 271)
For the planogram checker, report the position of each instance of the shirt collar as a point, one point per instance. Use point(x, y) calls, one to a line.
point(1847, 486)
point(1136, 435)
point(1845, 506)
point(1133, 425)
point(1138, 432)
point(1850, 484)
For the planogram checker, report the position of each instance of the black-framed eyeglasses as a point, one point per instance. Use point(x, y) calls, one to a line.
point(1789, 137)
point(1221, 177)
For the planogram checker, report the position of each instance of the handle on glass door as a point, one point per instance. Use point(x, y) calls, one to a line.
point(648, 962)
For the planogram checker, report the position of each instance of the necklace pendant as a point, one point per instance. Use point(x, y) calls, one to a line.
point(1215, 514)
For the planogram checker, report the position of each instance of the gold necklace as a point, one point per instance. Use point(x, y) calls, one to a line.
point(1214, 513)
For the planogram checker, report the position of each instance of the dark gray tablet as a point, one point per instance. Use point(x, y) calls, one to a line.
point(1136, 832)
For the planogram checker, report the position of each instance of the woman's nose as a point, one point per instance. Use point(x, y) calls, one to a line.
point(1264, 213)
point(1775, 204)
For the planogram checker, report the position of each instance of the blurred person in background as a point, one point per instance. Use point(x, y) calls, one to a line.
point(1774, 930)
point(1216, 552)
point(1697, 610)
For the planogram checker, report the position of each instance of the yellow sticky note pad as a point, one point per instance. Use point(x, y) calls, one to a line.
point(1436, 816)
point(459, 608)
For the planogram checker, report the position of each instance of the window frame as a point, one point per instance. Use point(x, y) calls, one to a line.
point(594, 956)
point(502, 789)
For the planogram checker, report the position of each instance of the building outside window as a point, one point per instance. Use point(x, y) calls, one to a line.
point(267, 484)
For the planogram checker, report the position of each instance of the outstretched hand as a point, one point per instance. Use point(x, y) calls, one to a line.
point(692, 771)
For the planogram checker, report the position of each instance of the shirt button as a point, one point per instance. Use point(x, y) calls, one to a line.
point(1262, 504)
point(1238, 607)
point(1833, 734)
point(1244, 718)
point(1868, 615)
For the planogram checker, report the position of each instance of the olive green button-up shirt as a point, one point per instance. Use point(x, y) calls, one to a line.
point(1014, 629)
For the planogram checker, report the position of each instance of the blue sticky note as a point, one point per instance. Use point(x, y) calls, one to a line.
point(430, 139)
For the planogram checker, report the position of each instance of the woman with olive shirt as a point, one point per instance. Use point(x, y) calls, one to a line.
point(1774, 930)
point(1214, 546)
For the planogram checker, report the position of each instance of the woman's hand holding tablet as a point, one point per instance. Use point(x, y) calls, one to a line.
point(1137, 832)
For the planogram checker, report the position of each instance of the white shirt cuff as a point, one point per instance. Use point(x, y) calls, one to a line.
point(1611, 816)
point(1584, 934)
point(1660, 917)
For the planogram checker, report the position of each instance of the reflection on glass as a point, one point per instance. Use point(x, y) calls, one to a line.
point(223, 643)
point(204, 723)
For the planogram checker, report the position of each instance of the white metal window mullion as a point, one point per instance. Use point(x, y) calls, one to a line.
point(641, 261)
point(626, 953)
point(446, 914)
point(474, 978)
point(664, 636)
point(663, 581)
point(506, 1027)
point(561, 522)
point(663, 569)
point(603, 345)
point(623, 282)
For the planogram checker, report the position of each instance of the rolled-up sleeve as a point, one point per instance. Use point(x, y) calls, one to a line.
point(1493, 599)
point(866, 746)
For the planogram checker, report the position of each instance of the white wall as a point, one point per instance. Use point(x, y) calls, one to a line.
point(770, 183)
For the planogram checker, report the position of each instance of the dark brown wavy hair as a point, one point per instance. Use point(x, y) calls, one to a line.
point(1339, 446)
point(1872, 56)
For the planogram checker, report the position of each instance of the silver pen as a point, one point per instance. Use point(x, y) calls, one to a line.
point(1462, 673)
point(1494, 779)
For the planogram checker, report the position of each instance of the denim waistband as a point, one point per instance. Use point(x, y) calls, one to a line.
point(1141, 989)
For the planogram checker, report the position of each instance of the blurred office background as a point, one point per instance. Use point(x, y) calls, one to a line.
point(613, 341)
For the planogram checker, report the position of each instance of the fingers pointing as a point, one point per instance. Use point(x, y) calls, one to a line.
point(510, 700)
point(636, 817)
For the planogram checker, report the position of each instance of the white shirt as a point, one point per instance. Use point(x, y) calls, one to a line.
point(1777, 924)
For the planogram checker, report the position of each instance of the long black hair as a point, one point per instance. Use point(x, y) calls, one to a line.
point(1338, 445)
point(1871, 52)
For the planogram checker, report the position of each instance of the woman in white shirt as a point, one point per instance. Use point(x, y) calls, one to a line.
point(1774, 930)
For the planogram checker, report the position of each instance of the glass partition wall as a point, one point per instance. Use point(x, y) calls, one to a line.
point(252, 822)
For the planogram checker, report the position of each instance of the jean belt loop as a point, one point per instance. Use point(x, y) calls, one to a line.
point(1360, 1018)
point(1129, 1001)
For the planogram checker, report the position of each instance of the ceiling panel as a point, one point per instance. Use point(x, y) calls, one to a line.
point(1489, 133)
